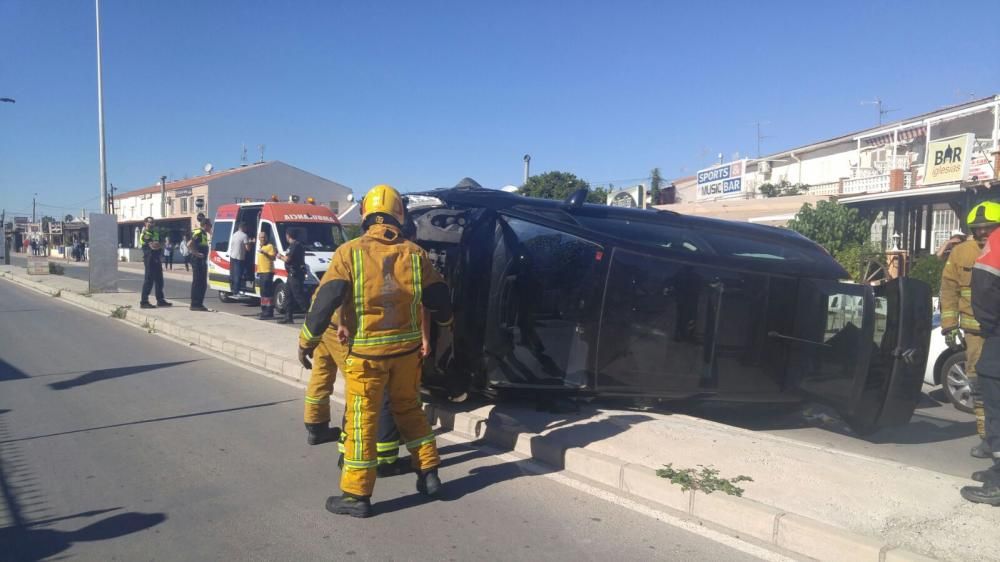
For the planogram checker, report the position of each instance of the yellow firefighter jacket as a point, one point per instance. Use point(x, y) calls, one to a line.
point(382, 279)
point(956, 288)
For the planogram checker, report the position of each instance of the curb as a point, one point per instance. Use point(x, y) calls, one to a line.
point(742, 516)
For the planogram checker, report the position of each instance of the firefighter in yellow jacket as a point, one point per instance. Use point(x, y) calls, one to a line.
point(384, 279)
point(957, 318)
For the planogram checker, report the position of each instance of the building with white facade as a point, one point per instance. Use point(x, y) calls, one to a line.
point(175, 205)
point(914, 177)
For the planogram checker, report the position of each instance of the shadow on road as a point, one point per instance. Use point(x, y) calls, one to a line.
point(563, 433)
point(113, 373)
point(152, 420)
point(23, 539)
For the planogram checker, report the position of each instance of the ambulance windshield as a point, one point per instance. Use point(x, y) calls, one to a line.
point(315, 236)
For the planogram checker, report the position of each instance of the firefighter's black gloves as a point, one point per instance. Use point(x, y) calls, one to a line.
point(305, 357)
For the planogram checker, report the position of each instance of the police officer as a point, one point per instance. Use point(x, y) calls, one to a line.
point(295, 265)
point(198, 247)
point(986, 304)
point(957, 319)
point(382, 279)
point(152, 261)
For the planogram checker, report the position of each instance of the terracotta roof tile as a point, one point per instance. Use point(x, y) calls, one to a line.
point(190, 182)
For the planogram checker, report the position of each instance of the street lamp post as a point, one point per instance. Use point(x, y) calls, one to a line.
point(100, 113)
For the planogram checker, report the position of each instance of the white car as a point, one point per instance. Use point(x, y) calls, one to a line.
point(946, 367)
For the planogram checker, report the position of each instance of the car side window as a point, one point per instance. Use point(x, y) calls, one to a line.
point(220, 235)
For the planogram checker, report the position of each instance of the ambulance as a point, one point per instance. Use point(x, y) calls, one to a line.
point(318, 230)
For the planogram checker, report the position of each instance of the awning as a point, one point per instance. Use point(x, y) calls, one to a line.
point(904, 135)
point(905, 194)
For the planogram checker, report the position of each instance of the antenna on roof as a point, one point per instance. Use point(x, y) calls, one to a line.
point(243, 156)
point(882, 111)
point(208, 168)
point(260, 148)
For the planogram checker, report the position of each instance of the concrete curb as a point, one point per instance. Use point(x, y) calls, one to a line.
point(743, 517)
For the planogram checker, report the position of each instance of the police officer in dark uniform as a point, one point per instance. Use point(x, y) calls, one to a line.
point(198, 246)
point(295, 265)
point(152, 261)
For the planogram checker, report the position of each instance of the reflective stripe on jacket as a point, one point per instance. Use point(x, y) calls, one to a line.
point(986, 287)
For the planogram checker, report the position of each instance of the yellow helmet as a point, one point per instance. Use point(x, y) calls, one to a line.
point(985, 214)
point(383, 199)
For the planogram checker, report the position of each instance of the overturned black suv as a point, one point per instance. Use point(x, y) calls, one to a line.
point(577, 298)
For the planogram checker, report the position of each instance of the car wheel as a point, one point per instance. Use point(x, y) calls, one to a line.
point(224, 297)
point(956, 383)
point(280, 297)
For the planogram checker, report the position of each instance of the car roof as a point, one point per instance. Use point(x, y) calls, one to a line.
point(820, 264)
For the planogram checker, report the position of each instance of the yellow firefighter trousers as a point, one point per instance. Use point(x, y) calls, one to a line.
point(366, 380)
point(973, 349)
point(326, 357)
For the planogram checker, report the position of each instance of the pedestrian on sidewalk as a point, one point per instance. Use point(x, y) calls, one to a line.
point(295, 265)
point(237, 256)
point(198, 247)
point(185, 253)
point(152, 262)
point(265, 275)
point(168, 255)
point(986, 305)
point(379, 272)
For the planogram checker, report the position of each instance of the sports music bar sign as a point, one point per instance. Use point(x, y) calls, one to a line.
point(721, 181)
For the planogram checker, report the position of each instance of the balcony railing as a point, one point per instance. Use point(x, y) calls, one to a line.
point(829, 188)
point(874, 184)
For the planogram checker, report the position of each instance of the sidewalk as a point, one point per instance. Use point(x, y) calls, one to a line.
point(815, 501)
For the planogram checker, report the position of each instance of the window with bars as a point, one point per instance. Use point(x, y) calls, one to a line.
point(945, 222)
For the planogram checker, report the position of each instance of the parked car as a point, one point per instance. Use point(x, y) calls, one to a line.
point(946, 367)
point(568, 297)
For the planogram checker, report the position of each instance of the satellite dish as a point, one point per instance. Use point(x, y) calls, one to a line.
point(350, 198)
point(208, 168)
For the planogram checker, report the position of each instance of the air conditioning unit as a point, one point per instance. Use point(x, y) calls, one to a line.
point(764, 167)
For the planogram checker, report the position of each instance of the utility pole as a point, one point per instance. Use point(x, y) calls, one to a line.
point(760, 136)
point(33, 207)
point(100, 113)
point(163, 197)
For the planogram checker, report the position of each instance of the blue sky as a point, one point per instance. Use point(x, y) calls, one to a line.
point(420, 94)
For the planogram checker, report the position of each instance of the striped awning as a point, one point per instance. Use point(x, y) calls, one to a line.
point(905, 135)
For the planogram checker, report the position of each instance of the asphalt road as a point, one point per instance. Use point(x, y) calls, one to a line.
point(118, 444)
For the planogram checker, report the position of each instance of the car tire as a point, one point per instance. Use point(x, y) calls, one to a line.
point(280, 297)
point(224, 297)
point(955, 382)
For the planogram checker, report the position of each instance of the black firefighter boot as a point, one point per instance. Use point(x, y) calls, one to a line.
point(428, 482)
point(981, 451)
point(349, 504)
point(319, 433)
point(266, 313)
point(989, 493)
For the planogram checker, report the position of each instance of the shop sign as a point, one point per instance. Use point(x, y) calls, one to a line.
point(630, 197)
point(947, 159)
point(721, 181)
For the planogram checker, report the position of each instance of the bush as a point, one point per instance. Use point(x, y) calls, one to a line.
point(928, 269)
point(832, 225)
point(783, 188)
point(859, 260)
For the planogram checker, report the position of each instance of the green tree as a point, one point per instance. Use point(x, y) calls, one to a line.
point(831, 225)
point(783, 188)
point(68, 218)
point(655, 184)
point(560, 185)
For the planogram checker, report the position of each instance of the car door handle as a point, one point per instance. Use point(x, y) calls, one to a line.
point(773, 334)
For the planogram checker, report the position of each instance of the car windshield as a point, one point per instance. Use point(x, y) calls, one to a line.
point(316, 236)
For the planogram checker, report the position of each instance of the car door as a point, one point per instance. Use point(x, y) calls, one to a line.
point(861, 349)
point(545, 297)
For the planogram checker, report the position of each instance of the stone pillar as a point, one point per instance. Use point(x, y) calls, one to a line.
point(996, 164)
point(896, 180)
point(897, 263)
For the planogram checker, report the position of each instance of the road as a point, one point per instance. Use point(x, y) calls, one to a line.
point(938, 437)
point(118, 444)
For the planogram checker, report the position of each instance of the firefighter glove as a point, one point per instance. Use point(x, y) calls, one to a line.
point(951, 338)
point(305, 357)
